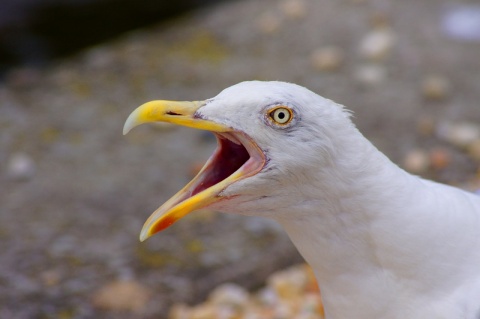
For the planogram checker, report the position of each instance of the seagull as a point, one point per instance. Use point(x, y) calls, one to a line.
point(382, 243)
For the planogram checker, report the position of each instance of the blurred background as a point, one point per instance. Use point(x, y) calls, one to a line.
point(74, 192)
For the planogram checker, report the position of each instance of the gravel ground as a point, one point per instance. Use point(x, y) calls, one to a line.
point(75, 192)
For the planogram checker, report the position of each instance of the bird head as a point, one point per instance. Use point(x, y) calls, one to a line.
point(271, 137)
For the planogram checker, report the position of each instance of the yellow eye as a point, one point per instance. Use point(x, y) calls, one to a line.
point(281, 115)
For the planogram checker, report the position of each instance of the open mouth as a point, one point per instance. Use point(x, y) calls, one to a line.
point(236, 157)
point(229, 156)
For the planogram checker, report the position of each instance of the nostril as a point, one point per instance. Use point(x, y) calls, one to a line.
point(172, 113)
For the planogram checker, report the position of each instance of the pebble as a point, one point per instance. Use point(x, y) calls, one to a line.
point(435, 87)
point(229, 295)
point(294, 9)
point(460, 134)
point(180, 311)
point(268, 23)
point(426, 126)
point(377, 44)
point(416, 161)
point(473, 150)
point(20, 167)
point(462, 22)
point(329, 58)
point(122, 295)
point(204, 311)
point(379, 19)
point(288, 283)
point(370, 74)
point(290, 293)
point(440, 158)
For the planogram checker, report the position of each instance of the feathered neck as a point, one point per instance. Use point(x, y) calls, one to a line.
point(347, 231)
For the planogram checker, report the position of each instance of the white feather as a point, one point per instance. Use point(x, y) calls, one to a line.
point(383, 243)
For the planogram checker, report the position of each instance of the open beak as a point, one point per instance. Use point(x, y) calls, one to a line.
point(236, 157)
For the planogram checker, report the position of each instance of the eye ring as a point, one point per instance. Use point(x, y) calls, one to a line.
point(281, 115)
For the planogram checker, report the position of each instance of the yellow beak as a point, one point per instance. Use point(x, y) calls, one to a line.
point(180, 113)
point(196, 194)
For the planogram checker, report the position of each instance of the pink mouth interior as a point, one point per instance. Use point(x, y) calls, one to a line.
point(228, 158)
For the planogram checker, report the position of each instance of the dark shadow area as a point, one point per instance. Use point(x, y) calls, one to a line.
point(32, 32)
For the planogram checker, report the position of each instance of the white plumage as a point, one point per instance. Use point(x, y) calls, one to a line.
point(382, 242)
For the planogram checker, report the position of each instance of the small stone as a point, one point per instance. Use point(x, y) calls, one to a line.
point(426, 126)
point(294, 9)
point(370, 74)
point(20, 167)
point(122, 295)
point(327, 58)
point(379, 19)
point(435, 87)
point(416, 161)
point(462, 21)
point(460, 134)
point(203, 311)
point(474, 150)
point(268, 23)
point(287, 295)
point(440, 158)
point(284, 311)
point(179, 311)
point(289, 283)
point(230, 295)
point(267, 296)
point(377, 44)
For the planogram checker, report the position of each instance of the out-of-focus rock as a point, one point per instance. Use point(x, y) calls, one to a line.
point(370, 74)
point(289, 283)
point(462, 22)
point(294, 9)
point(20, 167)
point(474, 149)
point(426, 126)
point(459, 134)
point(329, 58)
point(122, 295)
point(179, 311)
point(269, 23)
point(204, 311)
point(379, 19)
point(440, 158)
point(229, 295)
point(377, 44)
point(435, 87)
point(290, 293)
point(416, 161)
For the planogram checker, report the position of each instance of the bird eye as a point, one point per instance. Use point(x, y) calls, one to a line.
point(281, 115)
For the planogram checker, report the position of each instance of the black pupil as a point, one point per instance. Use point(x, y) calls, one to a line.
point(281, 115)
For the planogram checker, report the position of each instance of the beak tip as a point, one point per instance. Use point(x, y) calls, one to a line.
point(125, 129)
point(144, 235)
point(130, 123)
point(133, 120)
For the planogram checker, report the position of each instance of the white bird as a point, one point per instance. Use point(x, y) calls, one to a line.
point(382, 242)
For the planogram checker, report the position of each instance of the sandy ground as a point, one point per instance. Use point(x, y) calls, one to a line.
point(75, 192)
